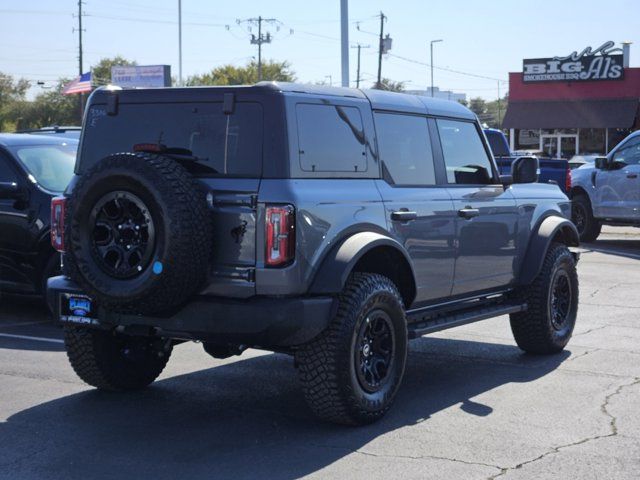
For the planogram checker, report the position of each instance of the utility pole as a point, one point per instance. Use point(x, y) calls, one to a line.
point(499, 107)
point(359, 47)
point(380, 49)
point(180, 43)
point(80, 67)
point(344, 37)
point(260, 39)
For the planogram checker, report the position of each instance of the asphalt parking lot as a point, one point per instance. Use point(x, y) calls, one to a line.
point(472, 405)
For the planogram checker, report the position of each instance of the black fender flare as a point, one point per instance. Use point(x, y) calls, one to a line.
point(339, 262)
point(541, 240)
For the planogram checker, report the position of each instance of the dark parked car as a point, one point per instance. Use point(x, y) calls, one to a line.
point(33, 169)
point(72, 132)
point(331, 224)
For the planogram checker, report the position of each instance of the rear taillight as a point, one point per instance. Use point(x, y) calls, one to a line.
point(57, 223)
point(280, 235)
point(567, 185)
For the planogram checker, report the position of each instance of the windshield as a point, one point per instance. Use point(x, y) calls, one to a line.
point(50, 165)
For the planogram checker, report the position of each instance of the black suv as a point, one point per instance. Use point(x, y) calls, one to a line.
point(331, 224)
point(33, 169)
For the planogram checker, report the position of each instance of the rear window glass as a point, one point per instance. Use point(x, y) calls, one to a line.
point(497, 144)
point(331, 138)
point(229, 144)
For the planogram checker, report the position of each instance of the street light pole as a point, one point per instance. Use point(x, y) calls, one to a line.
point(344, 38)
point(431, 63)
point(180, 43)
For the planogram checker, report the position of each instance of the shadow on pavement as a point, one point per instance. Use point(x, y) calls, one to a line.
point(245, 419)
point(627, 248)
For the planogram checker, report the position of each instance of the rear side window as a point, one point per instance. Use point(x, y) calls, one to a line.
point(466, 159)
point(228, 144)
point(331, 138)
point(405, 149)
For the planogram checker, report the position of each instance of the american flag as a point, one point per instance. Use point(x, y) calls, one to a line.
point(82, 84)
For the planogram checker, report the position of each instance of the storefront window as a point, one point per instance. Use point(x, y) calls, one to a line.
point(527, 140)
point(592, 141)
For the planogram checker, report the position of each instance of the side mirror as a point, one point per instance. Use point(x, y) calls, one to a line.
point(12, 191)
point(601, 162)
point(525, 170)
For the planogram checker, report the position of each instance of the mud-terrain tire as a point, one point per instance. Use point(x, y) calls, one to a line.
point(582, 216)
point(109, 361)
point(150, 205)
point(339, 385)
point(552, 299)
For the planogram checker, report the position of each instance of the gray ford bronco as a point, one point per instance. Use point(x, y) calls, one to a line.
point(329, 224)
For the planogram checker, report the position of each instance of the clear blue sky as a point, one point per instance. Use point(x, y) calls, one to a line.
point(485, 38)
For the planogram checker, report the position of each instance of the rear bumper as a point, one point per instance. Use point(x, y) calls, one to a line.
point(258, 321)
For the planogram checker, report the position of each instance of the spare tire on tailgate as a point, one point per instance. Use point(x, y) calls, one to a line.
point(138, 233)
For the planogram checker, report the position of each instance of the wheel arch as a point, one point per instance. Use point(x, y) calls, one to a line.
point(368, 252)
point(552, 229)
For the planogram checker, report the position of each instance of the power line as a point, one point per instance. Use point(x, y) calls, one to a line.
point(446, 69)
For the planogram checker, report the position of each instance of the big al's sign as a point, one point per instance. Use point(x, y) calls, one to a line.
point(603, 63)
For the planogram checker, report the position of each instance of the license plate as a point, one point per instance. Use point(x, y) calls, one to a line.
point(77, 309)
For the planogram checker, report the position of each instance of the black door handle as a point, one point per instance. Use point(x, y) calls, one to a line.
point(468, 212)
point(403, 216)
point(632, 175)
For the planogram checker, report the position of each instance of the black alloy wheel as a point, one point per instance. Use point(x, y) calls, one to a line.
point(123, 237)
point(579, 217)
point(561, 299)
point(373, 355)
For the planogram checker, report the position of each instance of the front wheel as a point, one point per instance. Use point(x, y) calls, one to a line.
point(352, 372)
point(111, 361)
point(582, 215)
point(552, 299)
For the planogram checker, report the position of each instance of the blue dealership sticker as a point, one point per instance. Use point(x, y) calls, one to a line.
point(157, 268)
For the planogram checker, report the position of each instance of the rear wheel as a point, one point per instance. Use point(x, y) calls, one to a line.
point(351, 374)
point(582, 215)
point(552, 299)
point(110, 361)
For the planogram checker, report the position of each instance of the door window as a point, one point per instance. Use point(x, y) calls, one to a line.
point(465, 157)
point(405, 149)
point(6, 172)
point(331, 138)
point(629, 153)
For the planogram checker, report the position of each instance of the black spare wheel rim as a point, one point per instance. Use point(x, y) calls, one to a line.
point(561, 296)
point(374, 351)
point(122, 234)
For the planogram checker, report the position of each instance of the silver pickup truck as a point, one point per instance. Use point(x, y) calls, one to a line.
point(608, 191)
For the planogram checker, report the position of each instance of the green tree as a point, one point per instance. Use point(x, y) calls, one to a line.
point(12, 93)
point(101, 72)
point(490, 113)
point(48, 108)
point(390, 85)
point(247, 75)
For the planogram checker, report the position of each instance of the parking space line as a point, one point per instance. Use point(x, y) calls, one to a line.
point(26, 337)
point(22, 324)
point(615, 252)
